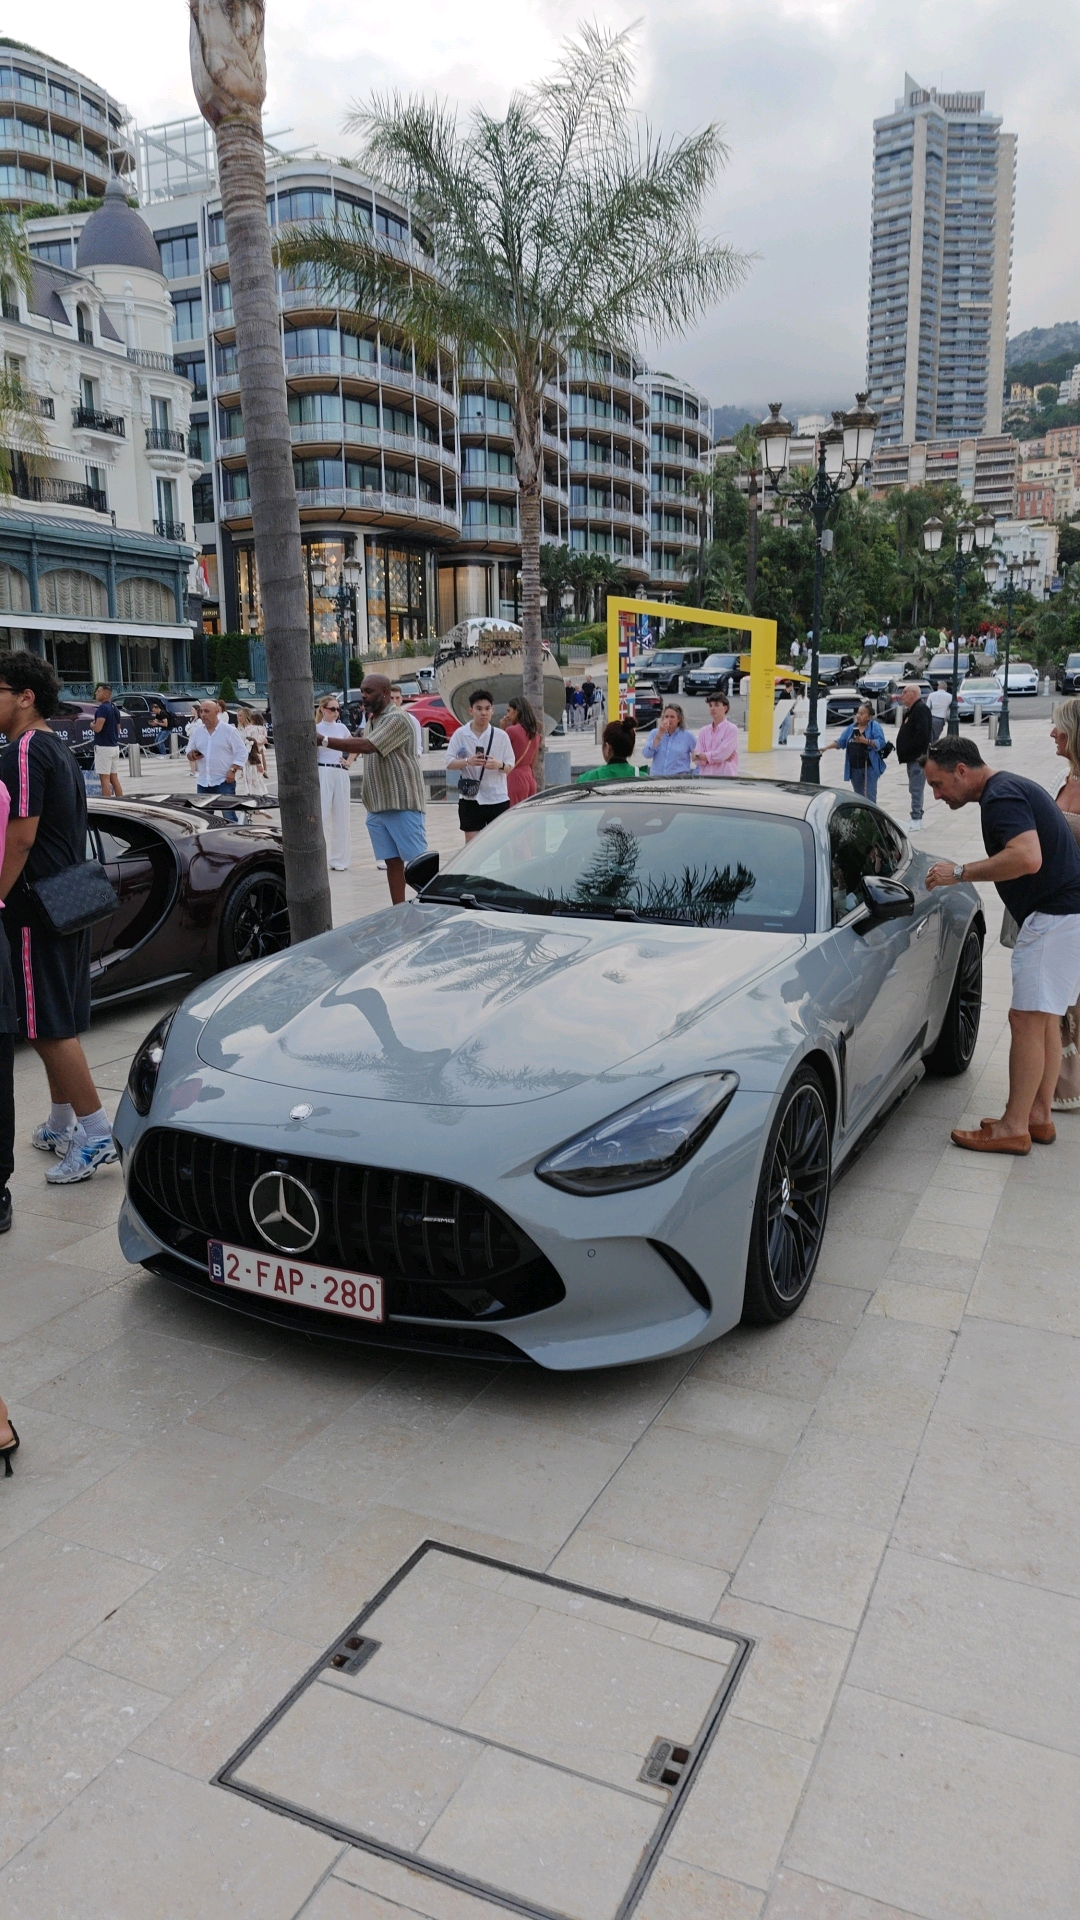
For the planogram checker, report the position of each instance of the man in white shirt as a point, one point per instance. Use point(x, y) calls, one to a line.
point(481, 747)
point(216, 751)
point(939, 703)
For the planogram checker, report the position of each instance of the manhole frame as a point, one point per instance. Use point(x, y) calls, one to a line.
point(449, 1876)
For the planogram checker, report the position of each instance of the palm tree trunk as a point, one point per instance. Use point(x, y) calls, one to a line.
point(228, 71)
point(751, 541)
point(528, 459)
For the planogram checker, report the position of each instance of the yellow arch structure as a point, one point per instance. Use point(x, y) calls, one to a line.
point(762, 663)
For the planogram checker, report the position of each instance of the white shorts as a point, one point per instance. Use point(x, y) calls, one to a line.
point(1046, 963)
point(106, 759)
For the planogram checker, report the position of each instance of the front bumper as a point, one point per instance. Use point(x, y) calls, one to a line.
point(636, 1267)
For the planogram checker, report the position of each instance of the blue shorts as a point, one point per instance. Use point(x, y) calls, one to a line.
point(397, 835)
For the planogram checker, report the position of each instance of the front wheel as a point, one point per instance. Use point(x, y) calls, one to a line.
point(255, 919)
point(791, 1206)
point(952, 1051)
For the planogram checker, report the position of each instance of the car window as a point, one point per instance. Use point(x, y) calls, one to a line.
point(861, 843)
point(652, 860)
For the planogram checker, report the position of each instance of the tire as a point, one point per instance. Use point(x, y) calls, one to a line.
point(789, 1221)
point(952, 1051)
point(255, 917)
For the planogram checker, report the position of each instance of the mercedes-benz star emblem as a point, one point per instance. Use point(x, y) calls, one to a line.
point(284, 1212)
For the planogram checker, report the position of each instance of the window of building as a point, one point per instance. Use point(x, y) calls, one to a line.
point(159, 414)
point(72, 594)
point(314, 475)
point(392, 356)
point(83, 325)
point(311, 409)
point(390, 224)
point(363, 476)
point(302, 203)
point(187, 316)
point(202, 498)
point(225, 359)
point(357, 346)
point(361, 413)
point(221, 296)
point(179, 250)
point(145, 599)
point(236, 484)
point(166, 507)
point(311, 343)
point(396, 420)
point(401, 480)
point(59, 253)
point(192, 366)
point(199, 440)
point(215, 229)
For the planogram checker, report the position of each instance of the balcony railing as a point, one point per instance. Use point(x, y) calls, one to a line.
point(155, 362)
point(372, 372)
point(46, 405)
point(58, 493)
point(169, 529)
point(99, 422)
point(165, 440)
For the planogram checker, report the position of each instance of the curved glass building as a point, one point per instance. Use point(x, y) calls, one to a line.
point(609, 460)
point(679, 445)
point(62, 137)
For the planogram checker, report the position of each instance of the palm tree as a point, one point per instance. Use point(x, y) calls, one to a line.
point(16, 260)
point(700, 485)
point(555, 575)
point(228, 70)
point(564, 226)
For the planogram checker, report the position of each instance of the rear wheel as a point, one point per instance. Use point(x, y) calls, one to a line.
point(792, 1204)
point(255, 919)
point(952, 1052)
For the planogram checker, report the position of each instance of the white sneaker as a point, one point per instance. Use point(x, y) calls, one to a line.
point(915, 826)
point(381, 865)
point(81, 1160)
point(52, 1139)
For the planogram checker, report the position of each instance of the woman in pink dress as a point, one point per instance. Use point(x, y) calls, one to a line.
point(522, 729)
point(716, 754)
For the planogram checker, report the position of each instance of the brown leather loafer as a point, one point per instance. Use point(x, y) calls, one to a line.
point(981, 1140)
point(1043, 1132)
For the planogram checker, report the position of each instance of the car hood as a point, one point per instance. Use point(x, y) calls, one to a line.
point(445, 1006)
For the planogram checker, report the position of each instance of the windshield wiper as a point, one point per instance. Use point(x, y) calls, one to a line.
point(505, 899)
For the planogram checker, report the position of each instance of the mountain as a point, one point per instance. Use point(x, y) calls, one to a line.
point(727, 420)
point(1040, 344)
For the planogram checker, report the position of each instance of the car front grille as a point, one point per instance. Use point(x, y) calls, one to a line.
point(443, 1251)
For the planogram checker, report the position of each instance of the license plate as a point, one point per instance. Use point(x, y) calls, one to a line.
point(357, 1295)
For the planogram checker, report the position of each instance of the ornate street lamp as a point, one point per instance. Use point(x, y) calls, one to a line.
point(1020, 572)
point(970, 534)
point(344, 604)
point(843, 451)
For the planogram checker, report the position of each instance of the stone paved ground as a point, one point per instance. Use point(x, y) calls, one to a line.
point(882, 1492)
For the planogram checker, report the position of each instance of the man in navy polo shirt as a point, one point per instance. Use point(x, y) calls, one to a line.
point(107, 743)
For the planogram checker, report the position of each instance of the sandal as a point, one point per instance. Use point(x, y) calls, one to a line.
point(6, 1452)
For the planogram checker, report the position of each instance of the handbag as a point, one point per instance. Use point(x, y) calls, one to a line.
point(75, 898)
point(858, 754)
point(468, 785)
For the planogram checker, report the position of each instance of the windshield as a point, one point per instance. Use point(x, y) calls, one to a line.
point(721, 660)
point(664, 660)
point(689, 866)
point(981, 686)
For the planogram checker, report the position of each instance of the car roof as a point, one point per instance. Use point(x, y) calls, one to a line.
point(743, 793)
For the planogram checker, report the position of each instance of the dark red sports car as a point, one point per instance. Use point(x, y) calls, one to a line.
point(196, 894)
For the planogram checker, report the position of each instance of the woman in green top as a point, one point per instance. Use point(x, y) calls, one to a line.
point(619, 740)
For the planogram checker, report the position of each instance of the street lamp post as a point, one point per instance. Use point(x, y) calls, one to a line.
point(843, 451)
point(343, 603)
point(1019, 572)
point(970, 534)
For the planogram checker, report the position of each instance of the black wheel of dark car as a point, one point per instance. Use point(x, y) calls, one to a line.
point(955, 1044)
point(791, 1206)
point(255, 920)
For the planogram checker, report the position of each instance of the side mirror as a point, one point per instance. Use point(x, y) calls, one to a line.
point(424, 868)
point(885, 900)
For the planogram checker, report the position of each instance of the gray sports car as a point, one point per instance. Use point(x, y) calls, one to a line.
point(581, 1101)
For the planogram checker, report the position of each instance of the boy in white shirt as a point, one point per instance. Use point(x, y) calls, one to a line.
point(481, 747)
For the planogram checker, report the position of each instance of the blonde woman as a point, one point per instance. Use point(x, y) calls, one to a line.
point(334, 783)
point(252, 778)
point(1065, 734)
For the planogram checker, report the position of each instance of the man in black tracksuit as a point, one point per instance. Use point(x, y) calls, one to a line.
point(913, 737)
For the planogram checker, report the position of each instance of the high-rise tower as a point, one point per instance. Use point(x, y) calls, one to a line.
point(940, 266)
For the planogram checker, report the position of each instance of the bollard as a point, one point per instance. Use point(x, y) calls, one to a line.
point(134, 759)
point(557, 767)
point(992, 726)
point(174, 744)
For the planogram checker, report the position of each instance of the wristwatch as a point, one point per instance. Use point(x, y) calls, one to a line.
point(958, 871)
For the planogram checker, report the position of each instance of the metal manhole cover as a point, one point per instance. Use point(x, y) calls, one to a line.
point(513, 1735)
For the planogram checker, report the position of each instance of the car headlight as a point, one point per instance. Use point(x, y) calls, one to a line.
point(646, 1142)
point(142, 1078)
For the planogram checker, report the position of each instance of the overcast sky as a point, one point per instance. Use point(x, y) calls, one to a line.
point(796, 85)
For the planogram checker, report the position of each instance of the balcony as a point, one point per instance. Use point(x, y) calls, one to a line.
point(165, 440)
point(154, 362)
point(97, 422)
point(169, 529)
point(58, 493)
point(340, 366)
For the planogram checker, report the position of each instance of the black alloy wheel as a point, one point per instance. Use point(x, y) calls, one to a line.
point(792, 1204)
point(955, 1044)
point(255, 922)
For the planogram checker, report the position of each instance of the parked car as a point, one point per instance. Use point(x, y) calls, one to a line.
point(433, 713)
point(714, 675)
point(73, 723)
point(666, 668)
point(843, 704)
point(442, 1128)
point(891, 710)
point(883, 677)
point(648, 704)
point(196, 894)
point(158, 713)
point(940, 670)
point(837, 669)
point(409, 689)
point(981, 691)
point(1023, 678)
point(1067, 678)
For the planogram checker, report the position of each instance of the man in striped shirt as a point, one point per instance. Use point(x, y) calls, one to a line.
point(393, 782)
